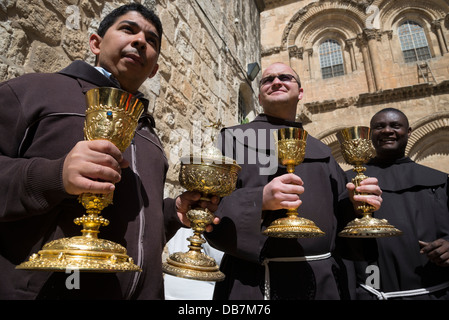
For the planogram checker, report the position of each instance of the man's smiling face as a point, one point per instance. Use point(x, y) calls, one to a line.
point(281, 92)
point(390, 132)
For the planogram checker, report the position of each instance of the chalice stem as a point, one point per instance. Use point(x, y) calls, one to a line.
point(367, 209)
point(199, 218)
point(94, 204)
point(196, 241)
point(91, 228)
point(292, 212)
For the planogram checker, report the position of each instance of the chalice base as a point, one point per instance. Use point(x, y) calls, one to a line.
point(293, 227)
point(369, 227)
point(83, 254)
point(193, 265)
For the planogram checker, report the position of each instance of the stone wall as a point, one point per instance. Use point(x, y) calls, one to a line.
point(206, 47)
point(375, 73)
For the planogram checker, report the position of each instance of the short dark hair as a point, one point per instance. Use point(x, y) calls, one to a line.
point(148, 14)
point(390, 109)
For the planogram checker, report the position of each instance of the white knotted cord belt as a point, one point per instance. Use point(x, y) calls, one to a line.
point(287, 259)
point(406, 293)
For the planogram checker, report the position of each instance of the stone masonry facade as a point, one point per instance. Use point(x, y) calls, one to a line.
point(374, 73)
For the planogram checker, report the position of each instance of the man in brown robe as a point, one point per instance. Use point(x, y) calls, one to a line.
point(415, 200)
point(45, 164)
point(257, 266)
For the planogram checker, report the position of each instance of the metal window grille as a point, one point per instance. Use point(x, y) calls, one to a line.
point(413, 42)
point(242, 109)
point(331, 59)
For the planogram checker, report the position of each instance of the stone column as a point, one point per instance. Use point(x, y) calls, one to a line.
point(350, 45)
point(372, 35)
point(436, 27)
point(295, 54)
point(310, 61)
point(367, 63)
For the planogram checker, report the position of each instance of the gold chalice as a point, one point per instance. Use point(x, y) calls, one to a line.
point(291, 149)
point(210, 174)
point(111, 114)
point(357, 149)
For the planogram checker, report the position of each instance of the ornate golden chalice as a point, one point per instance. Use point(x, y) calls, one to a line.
point(357, 149)
point(111, 114)
point(291, 149)
point(210, 174)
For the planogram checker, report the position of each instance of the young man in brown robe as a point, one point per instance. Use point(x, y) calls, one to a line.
point(45, 164)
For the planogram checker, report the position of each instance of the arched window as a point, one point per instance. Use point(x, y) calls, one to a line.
point(331, 59)
point(413, 42)
point(242, 109)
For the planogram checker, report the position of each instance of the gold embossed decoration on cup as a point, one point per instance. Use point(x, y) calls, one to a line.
point(357, 149)
point(291, 149)
point(112, 114)
point(211, 174)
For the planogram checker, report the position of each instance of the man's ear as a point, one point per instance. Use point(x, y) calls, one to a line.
point(155, 69)
point(94, 44)
point(301, 93)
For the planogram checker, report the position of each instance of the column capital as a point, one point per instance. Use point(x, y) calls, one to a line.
point(372, 34)
point(295, 51)
point(436, 24)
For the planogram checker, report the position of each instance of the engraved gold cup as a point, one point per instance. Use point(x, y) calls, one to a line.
point(112, 114)
point(211, 174)
point(291, 148)
point(357, 149)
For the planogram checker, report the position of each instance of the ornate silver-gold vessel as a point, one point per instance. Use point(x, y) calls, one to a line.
point(357, 149)
point(211, 174)
point(291, 149)
point(111, 114)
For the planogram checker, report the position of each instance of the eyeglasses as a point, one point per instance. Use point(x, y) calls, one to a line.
point(281, 77)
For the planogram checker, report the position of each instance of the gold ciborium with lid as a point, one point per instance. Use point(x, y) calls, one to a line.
point(112, 114)
point(357, 149)
point(211, 174)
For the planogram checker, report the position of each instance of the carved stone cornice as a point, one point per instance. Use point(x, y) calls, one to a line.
point(379, 97)
point(362, 4)
point(329, 105)
point(403, 93)
point(270, 51)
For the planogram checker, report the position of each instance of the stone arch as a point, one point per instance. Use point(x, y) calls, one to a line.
point(304, 32)
point(391, 12)
point(250, 102)
point(425, 13)
point(430, 140)
point(333, 11)
point(313, 32)
point(329, 138)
